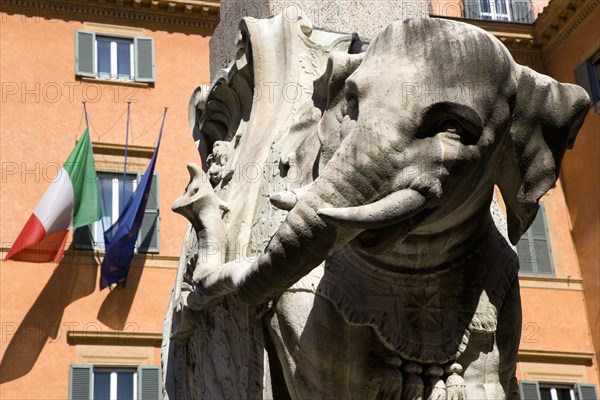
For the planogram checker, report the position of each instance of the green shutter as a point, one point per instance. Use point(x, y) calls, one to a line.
point(526, 252)
point(472, 9)
point(144, 59)
point(535, 255)
point(149, 237)
point(83, 239)
point(529, 390)
point(85, 53)
point(521, 11)
point(586, 77)
point(582, 77)
point(148, 383)
point(586, 392)
point(541, 244)
point(80, 382)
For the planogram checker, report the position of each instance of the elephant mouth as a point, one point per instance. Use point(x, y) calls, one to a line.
point(385, 222)
point(380, 240)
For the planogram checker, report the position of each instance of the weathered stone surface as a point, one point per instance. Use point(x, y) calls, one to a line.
point(368, 17)
point(363, 257)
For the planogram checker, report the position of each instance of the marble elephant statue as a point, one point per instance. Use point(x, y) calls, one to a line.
point(412, 291)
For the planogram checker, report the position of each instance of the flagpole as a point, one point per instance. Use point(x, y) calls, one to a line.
point(126, 148)
point(87, 124)
point(162, 125)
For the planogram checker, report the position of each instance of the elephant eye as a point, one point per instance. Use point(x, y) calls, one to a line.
point(458, 129)
point(452, 126)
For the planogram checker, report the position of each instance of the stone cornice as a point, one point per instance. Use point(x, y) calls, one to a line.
point(178, 14)
point(555, 357)
point(119, 149)
point(116, 338)
point(559, 20)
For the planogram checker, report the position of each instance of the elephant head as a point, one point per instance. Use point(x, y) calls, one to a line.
point(436, 114)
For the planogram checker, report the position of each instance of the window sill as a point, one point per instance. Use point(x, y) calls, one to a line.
point(116, 82)
point(550, 282)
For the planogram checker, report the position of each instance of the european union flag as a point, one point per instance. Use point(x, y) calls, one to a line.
point(121, 237)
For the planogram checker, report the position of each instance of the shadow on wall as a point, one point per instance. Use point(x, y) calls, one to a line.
point(42, 323)
point(115, 308)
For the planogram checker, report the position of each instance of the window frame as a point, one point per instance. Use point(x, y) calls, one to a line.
point(556, 385)
point(147, 386)
point(142, 52)
point(114, 64)
point(577, 389)
point(96, 228)
point(518, 11)
point(114, 372)
point(494, 15)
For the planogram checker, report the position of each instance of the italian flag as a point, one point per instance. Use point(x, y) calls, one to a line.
point(71, 201)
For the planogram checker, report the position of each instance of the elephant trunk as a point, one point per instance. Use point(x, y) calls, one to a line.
point(302, 242)
point(314, 229)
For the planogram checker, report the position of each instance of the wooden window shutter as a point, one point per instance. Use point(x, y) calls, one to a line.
point(521, 11)
point(587, 392)
point(149, 237)
point(80, 382)
point(472, 9)
point(83, 239)
point(535, 255)
point(144, 59)
point(526, 252)
point(539, 237)
point(85, 54)
point(148, 382)
point(529, 390)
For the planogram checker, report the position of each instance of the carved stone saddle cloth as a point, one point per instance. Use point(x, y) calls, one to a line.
point(425, 316)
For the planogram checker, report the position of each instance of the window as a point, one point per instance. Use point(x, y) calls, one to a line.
point(115, 192)
point(115, 383)
point(532, 390)
point(114, 58)
point(88, 382)
point(499, 10)
point(587, 75)
point(496, 10)
point(535, 257)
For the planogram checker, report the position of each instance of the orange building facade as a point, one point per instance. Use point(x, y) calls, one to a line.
point(54, 317)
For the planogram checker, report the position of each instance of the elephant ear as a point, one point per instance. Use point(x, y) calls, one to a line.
point(547, 116)
point(329, 97)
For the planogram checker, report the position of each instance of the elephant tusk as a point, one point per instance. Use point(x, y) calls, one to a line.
point(287, 199)
point(389, 210)
point(284, 200)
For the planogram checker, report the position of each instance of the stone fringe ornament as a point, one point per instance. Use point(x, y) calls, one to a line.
point(455, 383)
point(391, 383)
point(413, 386)
point(437, 388)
